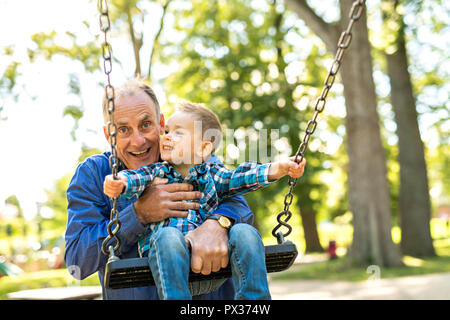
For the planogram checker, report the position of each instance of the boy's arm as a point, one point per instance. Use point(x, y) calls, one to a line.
point(235, 208)
point(248, 177)
point(138, 180)
point(251, 176)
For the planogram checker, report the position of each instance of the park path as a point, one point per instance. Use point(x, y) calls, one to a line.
point(424, 287)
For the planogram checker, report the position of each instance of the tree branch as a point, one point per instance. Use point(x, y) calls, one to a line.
point(137, 42)
point(326, 31)
point(156, 40)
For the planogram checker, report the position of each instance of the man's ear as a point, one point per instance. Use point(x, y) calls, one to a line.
point(105, 131)
point(162, 124)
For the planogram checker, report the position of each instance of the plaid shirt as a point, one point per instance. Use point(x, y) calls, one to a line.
point(214, 181)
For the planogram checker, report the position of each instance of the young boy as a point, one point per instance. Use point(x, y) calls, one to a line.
point(193, 133)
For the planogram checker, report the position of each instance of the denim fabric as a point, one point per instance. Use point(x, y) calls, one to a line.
point(248, 264)
point(169, 260)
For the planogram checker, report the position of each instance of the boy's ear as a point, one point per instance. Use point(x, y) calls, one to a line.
point(207, 149)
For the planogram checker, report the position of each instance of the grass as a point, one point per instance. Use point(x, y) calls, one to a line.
point(341, 269)
point(42, 279)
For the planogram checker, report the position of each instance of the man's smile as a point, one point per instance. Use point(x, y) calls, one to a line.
point(139, 153)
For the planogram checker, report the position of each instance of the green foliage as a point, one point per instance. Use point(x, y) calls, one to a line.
point(42, 279)
point(88, 54)
point(47, 46)
point(12, 199)
point(13, 227)
point(8, 82)
point(86, 152)
point(75, 111)
point(410, 21)
point(57, 200)
point(9, 76)
point(241, 62)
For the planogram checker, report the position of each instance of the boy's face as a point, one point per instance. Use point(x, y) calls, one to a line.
point(182, 142)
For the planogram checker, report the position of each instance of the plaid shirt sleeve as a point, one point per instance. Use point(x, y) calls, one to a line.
point(139, 179)
point(248, 177)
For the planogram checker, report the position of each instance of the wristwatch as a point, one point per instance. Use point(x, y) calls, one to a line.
point(223, 221)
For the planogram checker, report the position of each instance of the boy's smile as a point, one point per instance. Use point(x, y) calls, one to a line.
point(179, 144)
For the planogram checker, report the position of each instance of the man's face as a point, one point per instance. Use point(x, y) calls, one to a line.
point(138, 130)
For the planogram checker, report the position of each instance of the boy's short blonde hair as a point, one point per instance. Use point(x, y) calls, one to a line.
point(211, 127)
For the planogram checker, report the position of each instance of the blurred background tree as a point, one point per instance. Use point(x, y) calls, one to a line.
point(414, 198)
point(260, 65)
point(369, 198)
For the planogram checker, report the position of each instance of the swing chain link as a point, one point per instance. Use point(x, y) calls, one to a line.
point(343, 43)
point(114, 223)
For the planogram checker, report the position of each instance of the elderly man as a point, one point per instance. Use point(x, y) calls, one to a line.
point(139, 126)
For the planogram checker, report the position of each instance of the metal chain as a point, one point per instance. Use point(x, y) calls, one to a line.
point(105, 26)
point(343, 43)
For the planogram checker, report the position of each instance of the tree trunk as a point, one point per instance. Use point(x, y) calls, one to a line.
point(414, 199)
point(310, 231)
point(369, 198)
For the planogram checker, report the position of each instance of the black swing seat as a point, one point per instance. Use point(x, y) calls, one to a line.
point(135, 272)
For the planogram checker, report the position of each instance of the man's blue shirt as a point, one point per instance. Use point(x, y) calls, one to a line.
point(88, 215)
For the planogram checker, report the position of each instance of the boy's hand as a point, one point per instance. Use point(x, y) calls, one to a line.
point(296, 170)
point(113, 188)
point(289, 167)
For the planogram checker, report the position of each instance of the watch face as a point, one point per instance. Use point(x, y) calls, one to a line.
point(224, 222)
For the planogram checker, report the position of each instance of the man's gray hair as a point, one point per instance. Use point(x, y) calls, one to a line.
point(131, 87)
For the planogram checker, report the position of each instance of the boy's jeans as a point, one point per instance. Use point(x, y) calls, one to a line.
point(170, 259)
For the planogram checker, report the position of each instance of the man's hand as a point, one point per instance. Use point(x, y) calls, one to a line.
point(209, 245)
point(161, 201)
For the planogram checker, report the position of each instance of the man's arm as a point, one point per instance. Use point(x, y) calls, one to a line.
point(89, 211)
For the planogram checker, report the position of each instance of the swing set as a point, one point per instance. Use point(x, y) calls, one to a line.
point(135, 272)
